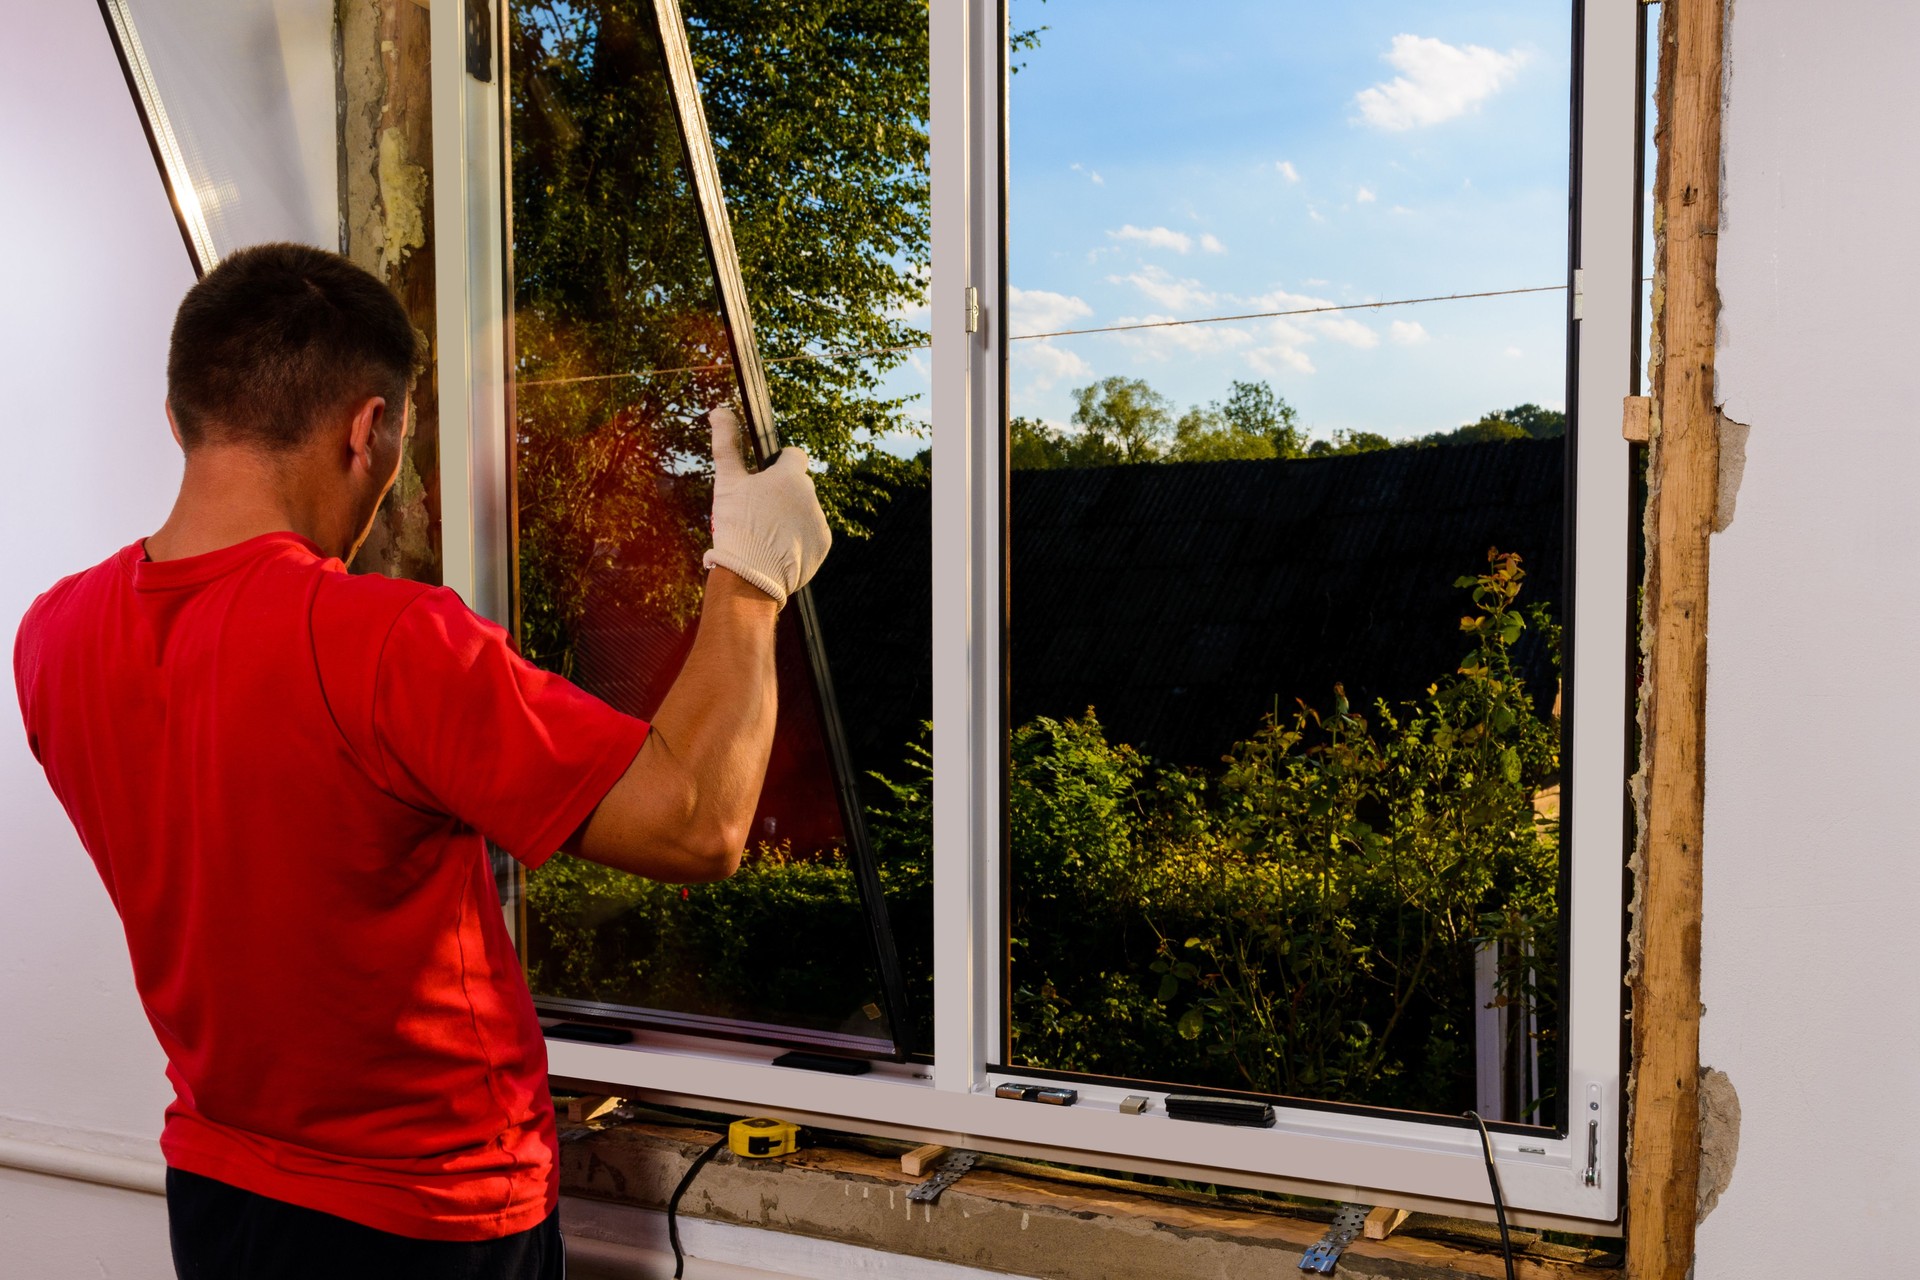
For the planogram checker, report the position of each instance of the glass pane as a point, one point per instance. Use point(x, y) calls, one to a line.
point(1286, 547)
point(240, 103)
point(830, 215)
point(620, 346)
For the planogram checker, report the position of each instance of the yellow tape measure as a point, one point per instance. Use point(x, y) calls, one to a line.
point(761, 1138)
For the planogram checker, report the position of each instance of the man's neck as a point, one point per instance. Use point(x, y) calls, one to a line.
point(229, 494)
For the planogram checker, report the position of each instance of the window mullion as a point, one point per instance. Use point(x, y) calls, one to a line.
point(961, 949)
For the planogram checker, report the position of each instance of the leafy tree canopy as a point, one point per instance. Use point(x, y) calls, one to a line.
point(1522, 422)
point(1121, 420)
point(818, 113)
point(1131, 421)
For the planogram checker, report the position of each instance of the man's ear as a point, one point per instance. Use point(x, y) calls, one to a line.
point(369, 421)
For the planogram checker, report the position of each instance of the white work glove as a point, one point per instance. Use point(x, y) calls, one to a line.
point(767, 524)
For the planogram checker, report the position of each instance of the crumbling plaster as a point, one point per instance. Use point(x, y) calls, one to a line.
point(385, 147)
point(1809, 946)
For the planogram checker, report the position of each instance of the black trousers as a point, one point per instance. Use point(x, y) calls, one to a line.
point(220, 1232)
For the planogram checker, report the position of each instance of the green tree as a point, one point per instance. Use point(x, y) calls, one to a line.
point(819, 116)
point(1207, 435)
point(1126, 415)
point(1487, 430)
point(1035, 445)
point(1253, 422)
point(1343, 443)
point(1541, 424)
point(1522, 422)
point(1255, 409)
point(617, 336)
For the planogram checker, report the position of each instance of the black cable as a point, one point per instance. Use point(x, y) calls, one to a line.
point(673, 1204)
point(1493, 1180)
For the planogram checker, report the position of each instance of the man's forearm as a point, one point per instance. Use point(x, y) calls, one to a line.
point(718, 719)
point(684, 808)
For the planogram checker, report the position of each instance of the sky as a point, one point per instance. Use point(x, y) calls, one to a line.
point(1233, 156)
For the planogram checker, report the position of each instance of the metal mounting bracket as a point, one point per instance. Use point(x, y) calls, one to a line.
point(952, 1171)
point(1324, 1254)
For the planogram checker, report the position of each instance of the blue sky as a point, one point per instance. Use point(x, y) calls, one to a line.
point(1231, 156)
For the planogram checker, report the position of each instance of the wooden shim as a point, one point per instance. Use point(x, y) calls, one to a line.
point(1383, 1221)
point(590, 1106)
point(1664, 1148)
point(919, 1162)
point(1636, 419)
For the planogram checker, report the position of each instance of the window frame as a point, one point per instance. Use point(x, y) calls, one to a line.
point(1568, 1179)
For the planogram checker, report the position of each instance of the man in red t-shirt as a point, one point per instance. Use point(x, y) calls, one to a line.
point(286, 776)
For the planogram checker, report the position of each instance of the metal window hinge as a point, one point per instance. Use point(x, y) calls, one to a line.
point(1324, 1254)
point(951, 1172)
point(1579, 291)
point(973, 309)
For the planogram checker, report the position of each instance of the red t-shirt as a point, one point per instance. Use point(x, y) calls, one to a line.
point(286, 776)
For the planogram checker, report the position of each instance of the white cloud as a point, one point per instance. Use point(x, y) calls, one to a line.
point(1045, 364)
point(1211, 243)
point(1093, 175)
point(1514, 353)
point(1348, 330)
point(1437, 82)
point(1287, 171)
point(1315, 214)
point(1155, 237)
point(1364, 196)
point(1281, 353)
point(1192, 339)
point(1040, 311)
point(1164, 289)
point(1408, 333)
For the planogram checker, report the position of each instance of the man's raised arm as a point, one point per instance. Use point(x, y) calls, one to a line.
point(683, 809)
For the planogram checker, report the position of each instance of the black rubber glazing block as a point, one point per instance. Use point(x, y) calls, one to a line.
point(1182, 1106)
point(824, 1062)
point(590, 1034)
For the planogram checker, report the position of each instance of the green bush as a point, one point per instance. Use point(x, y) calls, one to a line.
point(1302, 920)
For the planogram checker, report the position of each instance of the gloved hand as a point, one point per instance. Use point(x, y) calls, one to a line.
point(767, 524)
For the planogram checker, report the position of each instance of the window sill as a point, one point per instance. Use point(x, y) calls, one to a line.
point(1021, 1219)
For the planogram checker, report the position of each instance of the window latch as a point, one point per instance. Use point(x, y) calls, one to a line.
point(973, 309)
point(1592, 1176)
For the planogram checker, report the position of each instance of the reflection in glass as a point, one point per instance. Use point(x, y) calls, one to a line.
point(620, 346)
point(239, 103)
point(1286, 569)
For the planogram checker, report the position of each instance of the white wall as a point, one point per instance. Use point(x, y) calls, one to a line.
point(1812, 954)
point(93, 270)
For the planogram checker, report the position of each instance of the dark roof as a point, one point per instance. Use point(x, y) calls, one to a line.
point(1181, 600)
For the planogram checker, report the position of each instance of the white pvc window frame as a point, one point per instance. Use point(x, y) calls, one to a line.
point(1570, 1180)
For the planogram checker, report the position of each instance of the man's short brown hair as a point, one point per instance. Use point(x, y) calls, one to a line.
point(277, 336)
